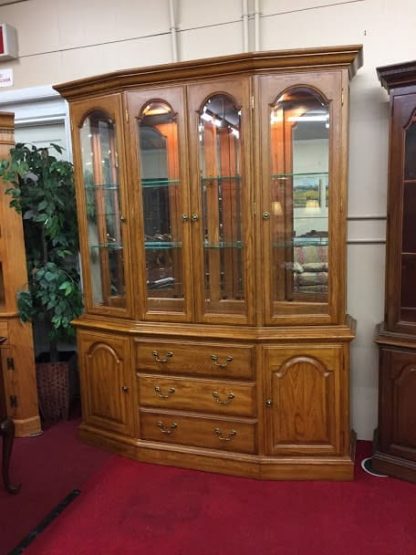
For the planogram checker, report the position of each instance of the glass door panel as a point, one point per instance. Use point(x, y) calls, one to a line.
point(163, 198)
point(408, 255)
point(299, 138)
point(102, 195)
point(221, 184)
point(302, 219)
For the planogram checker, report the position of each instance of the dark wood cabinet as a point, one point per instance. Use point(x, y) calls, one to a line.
point(395, 439)
point(212, 207)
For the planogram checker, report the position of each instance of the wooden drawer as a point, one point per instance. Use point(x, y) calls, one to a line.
point(210, 359)
point(211, 433)
point(212, 396)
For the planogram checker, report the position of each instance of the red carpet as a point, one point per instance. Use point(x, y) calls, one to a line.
point(48, 466)
point(135, 508)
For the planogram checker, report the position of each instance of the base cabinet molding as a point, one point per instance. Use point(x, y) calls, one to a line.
point(395, 437)
point(211, 201)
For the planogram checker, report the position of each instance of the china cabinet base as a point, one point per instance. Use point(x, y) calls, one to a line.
point(255, 402)
point(395, 439)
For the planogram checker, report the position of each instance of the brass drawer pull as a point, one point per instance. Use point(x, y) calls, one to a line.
point(223, 437)
point(161, 395)
point(162, 359)
point(167, 429)
point(220, 401)
point(223, 364)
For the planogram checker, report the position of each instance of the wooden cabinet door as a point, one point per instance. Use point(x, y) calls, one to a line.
point(221, 201)
point(303, 186)
point(303, 400)
point(397, 391)
point(108, 395)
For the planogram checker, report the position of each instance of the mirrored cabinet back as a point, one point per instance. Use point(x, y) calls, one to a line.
point(212, 210)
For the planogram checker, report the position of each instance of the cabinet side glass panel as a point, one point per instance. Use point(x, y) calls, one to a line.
point(408, 266)
point(161, 195)
point(101, 182)
point(221, 189)
point(299, 139)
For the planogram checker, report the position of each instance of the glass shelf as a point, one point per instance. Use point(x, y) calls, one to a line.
point(102, 187)
point(161, 283)
point(159, 245)
point(151, 183)
point(303, 174)
point(224, 245)
point(221, 178)
point(111, 246)
point(302, 242)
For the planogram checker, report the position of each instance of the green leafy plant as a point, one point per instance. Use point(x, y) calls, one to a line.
point(41, 187)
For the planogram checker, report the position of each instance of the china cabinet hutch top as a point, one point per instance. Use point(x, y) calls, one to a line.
point(214, 191)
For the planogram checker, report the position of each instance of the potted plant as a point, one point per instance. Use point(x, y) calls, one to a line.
point(41, 187)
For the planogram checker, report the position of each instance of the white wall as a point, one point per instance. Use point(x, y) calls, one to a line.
point(61, 40)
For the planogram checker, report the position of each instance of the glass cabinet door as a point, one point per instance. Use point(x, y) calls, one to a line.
point(157, 124)
point(299, 175)
point(401, 243)
point(219, 127)
point(103, 208)
point(408, 263)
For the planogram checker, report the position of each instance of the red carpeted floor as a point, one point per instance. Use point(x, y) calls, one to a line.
point(134, 508)
point(48, 466)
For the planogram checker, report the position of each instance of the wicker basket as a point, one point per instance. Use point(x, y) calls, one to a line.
point(53, 390)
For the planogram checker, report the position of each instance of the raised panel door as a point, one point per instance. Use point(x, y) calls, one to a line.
point(303, 403)
point(397, 416)
point(108, 394)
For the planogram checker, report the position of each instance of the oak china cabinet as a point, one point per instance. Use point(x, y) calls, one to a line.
point(212, 209)
point(18, 376)
point(395, 441)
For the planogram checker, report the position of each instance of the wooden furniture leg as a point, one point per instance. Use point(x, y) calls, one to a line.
point(7, 433)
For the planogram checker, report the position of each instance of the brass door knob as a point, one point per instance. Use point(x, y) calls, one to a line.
point(269, 403)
